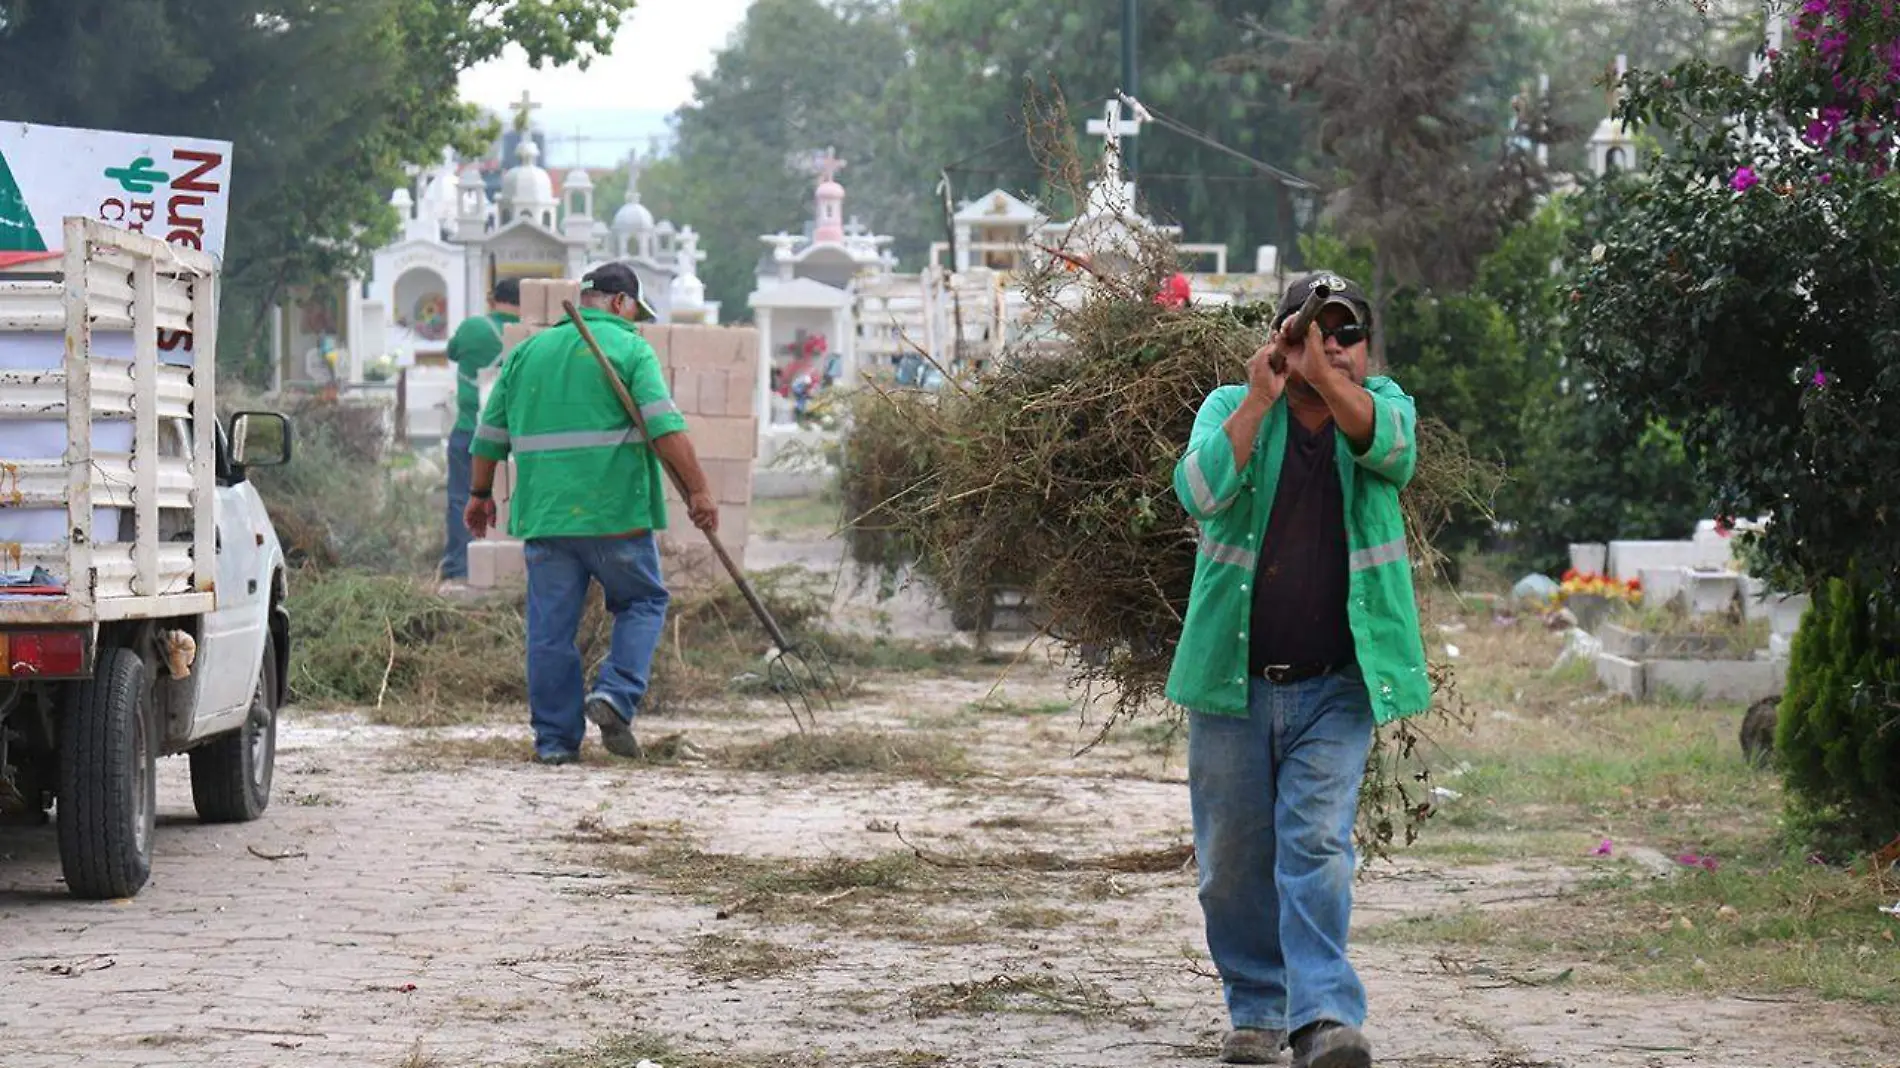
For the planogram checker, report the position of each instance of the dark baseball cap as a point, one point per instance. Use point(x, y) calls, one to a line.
point(617, 277)
point(1341, 291)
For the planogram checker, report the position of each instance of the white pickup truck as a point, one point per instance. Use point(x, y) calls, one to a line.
point(141, 583)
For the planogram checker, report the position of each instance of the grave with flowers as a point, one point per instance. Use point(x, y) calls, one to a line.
point(1681, 617)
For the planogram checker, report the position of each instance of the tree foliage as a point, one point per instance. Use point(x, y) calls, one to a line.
point(799, 76)
point(1424, 172)
point(1746, 290)
point(325, 102)
point(1837, 733)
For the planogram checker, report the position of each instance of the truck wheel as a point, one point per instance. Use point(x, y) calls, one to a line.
point(108, 781)
point(230, 776)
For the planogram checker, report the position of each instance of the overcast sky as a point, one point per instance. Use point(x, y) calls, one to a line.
point(621, 99)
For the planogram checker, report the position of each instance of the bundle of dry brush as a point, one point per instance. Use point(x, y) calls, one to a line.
point(1052, 474)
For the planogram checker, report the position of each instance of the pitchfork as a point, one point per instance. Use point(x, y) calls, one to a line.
point(790, 669)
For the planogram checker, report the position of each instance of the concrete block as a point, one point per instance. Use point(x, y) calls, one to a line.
point(481, 564)
point(1691, 647)
point(1589, 557)
point(740, 386)
point(715, 347)
point(1626, 642)
point(710, 391)
point(534, 301)
point(513, 334)
point(1755, 597)
point(684, 386)
point(561, 290)
point(1785, 612)
point(732, 481)
point(660, 336)
point(1662, 585)
point(717, 437)
point(1712, 592)
point(1627, 559)
point(1621, 675)
point(511, 563)
point(1744, 681)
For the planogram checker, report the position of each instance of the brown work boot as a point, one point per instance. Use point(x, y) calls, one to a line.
point(1252, 1045)
point(616, 734)
point(1331, 1045)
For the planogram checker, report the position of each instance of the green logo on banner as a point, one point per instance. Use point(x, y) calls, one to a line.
point(141, 177)
point(17, 230)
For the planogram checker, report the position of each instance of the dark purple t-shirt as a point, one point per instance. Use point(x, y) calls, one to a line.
point(1300, 587)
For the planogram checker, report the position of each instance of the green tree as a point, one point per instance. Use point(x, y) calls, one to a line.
point(991, 51)
point(798, 77)
point(324, 102)
point(1837, 733)
point(1744, 290)
point(1425, 175)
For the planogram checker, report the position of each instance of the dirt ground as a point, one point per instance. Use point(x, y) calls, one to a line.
point(428, 898)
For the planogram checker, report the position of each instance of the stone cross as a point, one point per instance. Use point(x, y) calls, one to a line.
point(854, 228)
point(1111, 128)
point(523, 112)
point(688, 256)
point(635, 166)
point(829, 165)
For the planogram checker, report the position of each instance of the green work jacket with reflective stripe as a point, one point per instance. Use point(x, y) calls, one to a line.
point(1232, 507)
point(476, 345)
point(581, 466)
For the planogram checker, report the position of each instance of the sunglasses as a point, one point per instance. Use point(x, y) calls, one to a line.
point(1347, 334)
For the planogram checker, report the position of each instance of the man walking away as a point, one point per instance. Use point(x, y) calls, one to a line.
point(476, 345)
point(1301, 635)
point(589, 495)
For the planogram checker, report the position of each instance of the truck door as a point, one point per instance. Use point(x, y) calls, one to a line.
point(230, 652)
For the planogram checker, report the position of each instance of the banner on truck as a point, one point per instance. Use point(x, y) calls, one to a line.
point(177, 189)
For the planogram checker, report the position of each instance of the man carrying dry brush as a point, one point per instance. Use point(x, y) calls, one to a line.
point(1301, 635)
point(589, 493)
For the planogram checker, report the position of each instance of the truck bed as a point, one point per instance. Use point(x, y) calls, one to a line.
point(106, 440)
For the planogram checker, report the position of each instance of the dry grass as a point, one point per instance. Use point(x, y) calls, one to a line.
point(853, 752)
point(1031, 917)
point(1553, 767)
point(725, 959)
point(592, 830)
point(1038, 995)
point(625, 1051)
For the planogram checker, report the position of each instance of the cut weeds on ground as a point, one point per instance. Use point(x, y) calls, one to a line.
point(417, 658)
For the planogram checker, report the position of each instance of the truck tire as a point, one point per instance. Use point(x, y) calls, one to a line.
point(230, 776)
point(108, 781)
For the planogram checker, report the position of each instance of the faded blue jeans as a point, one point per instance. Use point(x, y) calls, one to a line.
point(559, 571)
point(461, 474)
point(1274, 795)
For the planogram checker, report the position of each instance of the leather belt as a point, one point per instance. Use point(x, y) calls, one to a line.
point(1287, 674)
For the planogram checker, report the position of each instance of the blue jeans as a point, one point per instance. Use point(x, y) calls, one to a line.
point(461, 466)
point(559, 570)
point(1274, 795)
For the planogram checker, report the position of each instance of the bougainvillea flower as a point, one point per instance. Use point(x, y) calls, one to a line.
point(1744, 180)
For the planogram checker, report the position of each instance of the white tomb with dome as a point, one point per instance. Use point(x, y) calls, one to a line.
point(455, 242)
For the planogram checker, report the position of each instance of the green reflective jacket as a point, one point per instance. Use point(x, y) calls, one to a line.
point(1232, 507)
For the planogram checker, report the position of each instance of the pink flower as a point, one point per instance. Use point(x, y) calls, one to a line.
point(1696, 860)
point(1603, 849)
point(1744, 180)
point(1820, 379)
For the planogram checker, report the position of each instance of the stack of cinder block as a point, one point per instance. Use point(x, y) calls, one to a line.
point(713, 373)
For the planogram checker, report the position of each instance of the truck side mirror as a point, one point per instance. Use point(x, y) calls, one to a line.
point(260, 439)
